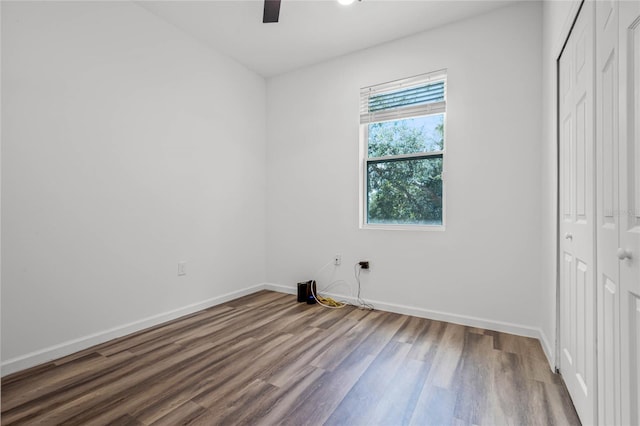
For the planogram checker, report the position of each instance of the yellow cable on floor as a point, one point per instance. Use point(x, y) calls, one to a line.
point(330, 302)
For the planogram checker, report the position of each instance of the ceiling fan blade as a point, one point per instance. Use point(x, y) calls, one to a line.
point(271, 11)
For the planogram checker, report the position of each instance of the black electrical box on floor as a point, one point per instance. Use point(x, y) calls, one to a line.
point(305, 292)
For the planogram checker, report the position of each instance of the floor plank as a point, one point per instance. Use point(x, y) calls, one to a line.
point(265, 359)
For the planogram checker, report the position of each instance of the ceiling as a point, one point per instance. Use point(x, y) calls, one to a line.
point(309, 31)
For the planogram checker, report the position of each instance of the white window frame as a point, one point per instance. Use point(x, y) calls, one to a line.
point(415, 111)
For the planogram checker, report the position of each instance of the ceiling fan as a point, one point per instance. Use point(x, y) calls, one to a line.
point(271, 11)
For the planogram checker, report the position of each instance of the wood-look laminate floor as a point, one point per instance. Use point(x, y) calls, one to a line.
point(265, 359)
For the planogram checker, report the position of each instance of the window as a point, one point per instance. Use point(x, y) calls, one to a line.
point(402, 152)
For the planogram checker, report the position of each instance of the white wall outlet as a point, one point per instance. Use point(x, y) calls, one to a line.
point(337, 259)
point(182, 268)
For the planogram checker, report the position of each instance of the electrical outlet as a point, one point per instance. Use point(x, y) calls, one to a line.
point(182, 268)
point(337, 259)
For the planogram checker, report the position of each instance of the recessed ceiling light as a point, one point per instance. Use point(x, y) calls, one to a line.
point(345, 2)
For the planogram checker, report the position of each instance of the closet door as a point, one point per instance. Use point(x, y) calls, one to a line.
point(608, 219)
point(628, 252)
point(577, 216)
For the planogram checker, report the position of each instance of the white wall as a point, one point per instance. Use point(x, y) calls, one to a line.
point(557, 18)
point(486, 265)
point(126, 147)
point(114, 125)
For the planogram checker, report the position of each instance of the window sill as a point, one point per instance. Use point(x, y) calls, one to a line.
point(419, 228)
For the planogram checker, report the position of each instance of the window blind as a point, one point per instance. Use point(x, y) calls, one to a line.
point(419, 95)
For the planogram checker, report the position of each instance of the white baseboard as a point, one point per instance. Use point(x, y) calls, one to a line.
point(280, 288)
point(504, 327)
point(66, 348)
point(548, 350)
